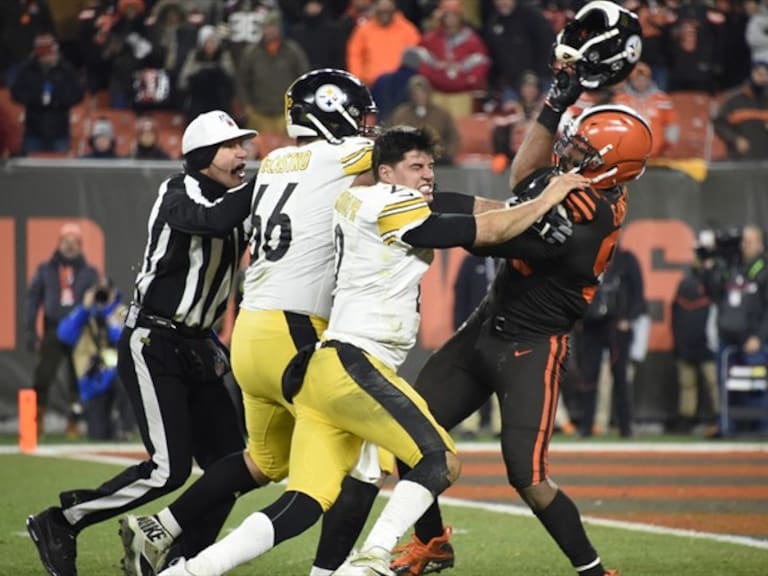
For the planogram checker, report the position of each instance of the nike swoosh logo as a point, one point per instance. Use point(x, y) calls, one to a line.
point(519, 353)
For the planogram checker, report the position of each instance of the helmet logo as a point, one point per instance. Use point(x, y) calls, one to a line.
point(329, 98)
point(634, 48)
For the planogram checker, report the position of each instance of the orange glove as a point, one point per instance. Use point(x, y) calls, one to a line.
point(499, 163)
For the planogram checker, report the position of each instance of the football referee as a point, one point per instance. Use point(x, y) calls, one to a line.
point(170, 361)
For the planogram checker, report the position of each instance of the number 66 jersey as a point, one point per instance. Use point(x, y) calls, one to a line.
point(291, 245)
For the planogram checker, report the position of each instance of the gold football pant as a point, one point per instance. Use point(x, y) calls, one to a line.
point(349, 396)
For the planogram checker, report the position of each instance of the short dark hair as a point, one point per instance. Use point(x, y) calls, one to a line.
point(393, 144)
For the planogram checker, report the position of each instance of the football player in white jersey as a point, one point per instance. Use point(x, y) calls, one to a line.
point(285, 306)
point(346, 390)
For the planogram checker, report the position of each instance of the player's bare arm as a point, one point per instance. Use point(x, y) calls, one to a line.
point(535, 152)
point(499, 226)
point(485, 204)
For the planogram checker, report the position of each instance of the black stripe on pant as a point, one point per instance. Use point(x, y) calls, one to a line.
point(183, 411)
point(400, 407)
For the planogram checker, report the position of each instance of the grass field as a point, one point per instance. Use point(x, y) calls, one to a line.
point(487, 543)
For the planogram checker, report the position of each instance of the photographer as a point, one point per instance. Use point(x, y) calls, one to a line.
point(738, 284)
point(92, 330)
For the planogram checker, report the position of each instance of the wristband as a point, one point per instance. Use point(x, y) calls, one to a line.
point(549, 118)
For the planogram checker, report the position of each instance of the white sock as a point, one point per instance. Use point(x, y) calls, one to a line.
point(169, 522)
point(251, 539)
point(320, 571)
point(408, 502)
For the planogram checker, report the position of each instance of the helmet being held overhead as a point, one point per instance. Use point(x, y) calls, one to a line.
point(609, 144)
point(328, 103)
point(602, 43)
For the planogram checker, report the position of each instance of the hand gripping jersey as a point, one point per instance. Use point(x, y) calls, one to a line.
point(376, 300)
point(291, 244)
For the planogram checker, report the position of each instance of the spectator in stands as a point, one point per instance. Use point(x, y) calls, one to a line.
point(642, 94)
point(127, 49)
point(20, 24)
point(207, 80)
point(738, 285)
point(656, 20)
point(273, 63)
point(376, 45)
point(241, 23)
point(757, 33)
point(456, 60)
point(58, 285)
point(741, 120)
point(696, 56)
point(519, 39)
point(47, 86)
point(512, 120)
point(391, 89)
point(356, 13)
point(692, 311)
point(320, 37)
point(607, 325)
point(147, 145)
point(737, 65)
point(102, 140)
point(94, 23)
point(558, 13)
point(172, 39)
point(421, 112)
point(91, 330)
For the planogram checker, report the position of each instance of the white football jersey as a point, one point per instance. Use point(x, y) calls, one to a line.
point(376, 300)
point(291, 244)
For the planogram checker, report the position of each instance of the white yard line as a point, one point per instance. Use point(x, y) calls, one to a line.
point(516, 510)
point(94, 453)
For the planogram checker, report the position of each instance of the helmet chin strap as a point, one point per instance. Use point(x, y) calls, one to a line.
point(322, 129)
point(327, 133)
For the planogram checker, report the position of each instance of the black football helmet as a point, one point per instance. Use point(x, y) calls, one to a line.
point(602, 43)
point(328, 103)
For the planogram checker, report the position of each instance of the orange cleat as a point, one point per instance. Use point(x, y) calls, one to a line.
point(417, 558)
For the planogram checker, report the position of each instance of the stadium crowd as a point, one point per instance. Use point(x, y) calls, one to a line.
point(72, 71)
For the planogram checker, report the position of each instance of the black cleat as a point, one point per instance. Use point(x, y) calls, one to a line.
point(55, 541)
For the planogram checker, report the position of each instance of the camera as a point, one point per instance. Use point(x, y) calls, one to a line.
point(101, 295)
point(722, 243)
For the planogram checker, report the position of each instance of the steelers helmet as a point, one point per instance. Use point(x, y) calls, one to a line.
point(328, 103)
point(609, 144)
point(602, 43)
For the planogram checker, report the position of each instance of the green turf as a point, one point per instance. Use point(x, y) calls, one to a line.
point(487, 544)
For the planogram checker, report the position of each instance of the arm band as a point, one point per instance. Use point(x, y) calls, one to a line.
point(549, 119)
point(443, 231)
point(452, 203)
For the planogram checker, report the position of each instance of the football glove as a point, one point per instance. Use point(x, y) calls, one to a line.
point(555, 227)
point(564, 90)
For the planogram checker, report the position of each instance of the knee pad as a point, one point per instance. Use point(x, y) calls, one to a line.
point(431, 472)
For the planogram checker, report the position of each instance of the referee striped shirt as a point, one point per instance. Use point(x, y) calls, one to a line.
point(196, 237)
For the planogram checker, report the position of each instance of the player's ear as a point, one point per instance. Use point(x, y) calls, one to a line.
point(385, 173)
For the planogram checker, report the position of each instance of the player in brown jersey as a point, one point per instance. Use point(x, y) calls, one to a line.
point(515, 344)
